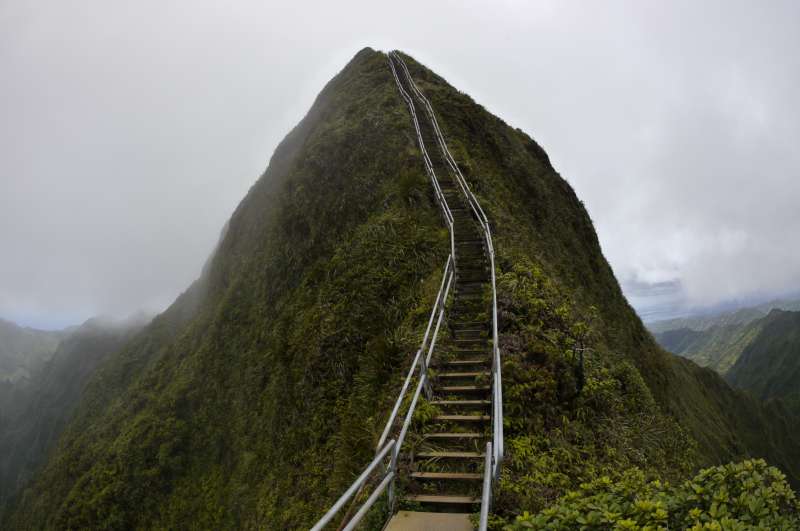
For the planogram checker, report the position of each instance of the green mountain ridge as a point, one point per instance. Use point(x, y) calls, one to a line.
point(769, 366)
point(741, 316)
point(23, 351)
point(257, 397)
point(32, 416)
point(717, 347)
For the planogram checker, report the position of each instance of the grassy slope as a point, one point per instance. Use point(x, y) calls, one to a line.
point(717, 347)
point(42, 410)
point(770, 366)
point(252, 402)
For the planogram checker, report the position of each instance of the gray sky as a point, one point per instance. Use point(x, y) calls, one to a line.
point(130, 131)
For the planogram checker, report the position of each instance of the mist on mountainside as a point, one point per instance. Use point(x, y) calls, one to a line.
point(35, 409)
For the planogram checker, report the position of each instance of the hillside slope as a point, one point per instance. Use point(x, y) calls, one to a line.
point(717, 347)
point(770, 365)
point(259, 395)
point(716, 341)
point(23, 351)
point(33, 417)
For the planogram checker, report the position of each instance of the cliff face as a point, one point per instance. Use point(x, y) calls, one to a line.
point(256, 398)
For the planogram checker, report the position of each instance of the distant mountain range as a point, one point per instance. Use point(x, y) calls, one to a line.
point(734, 317)
point(770, 365)
point(23, 351)
point(756, 349)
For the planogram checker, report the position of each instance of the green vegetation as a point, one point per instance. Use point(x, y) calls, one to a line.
point(255, 399)
point(259, 395)
point(770, 365)
point(734, 497)
point(717, 348)
point(32, 417)
point(718, 340)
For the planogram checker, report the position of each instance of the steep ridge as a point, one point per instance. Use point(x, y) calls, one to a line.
point(260, 394)
point(770, 365)
point(39, 413)
point(717, 347)
point(23, 351)
point(250, 402)
point(716, 341)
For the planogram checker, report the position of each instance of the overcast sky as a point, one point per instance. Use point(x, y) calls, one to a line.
point(129, 131)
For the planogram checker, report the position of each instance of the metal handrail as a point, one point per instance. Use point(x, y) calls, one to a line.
point(497, 381)
point(486, 495)
point(355, 486)
point(438, 303)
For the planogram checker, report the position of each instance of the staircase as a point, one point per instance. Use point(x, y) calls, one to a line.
point(445, 470)
point(447, 465)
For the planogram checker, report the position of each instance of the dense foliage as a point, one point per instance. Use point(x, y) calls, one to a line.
point(717, 348)
point(770, 365)
point(33, 416)
point(733, 497)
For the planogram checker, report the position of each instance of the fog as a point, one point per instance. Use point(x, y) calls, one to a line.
point(130, 131)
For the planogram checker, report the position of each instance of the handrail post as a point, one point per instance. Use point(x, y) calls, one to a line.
point(486, 497)
point(392, 470)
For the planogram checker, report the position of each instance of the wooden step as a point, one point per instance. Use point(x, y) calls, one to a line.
point(475, 343)
point(428, 521)
point(462, 418)
point(465, 362)
point(468, 324)
point(471, 374)
point(446, 500)
point(461, 402)
point(462, 388)
point(450, 455)
point(447, 475)
point(453, 435)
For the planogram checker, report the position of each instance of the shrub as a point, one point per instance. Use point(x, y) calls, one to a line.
point(738, 496)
